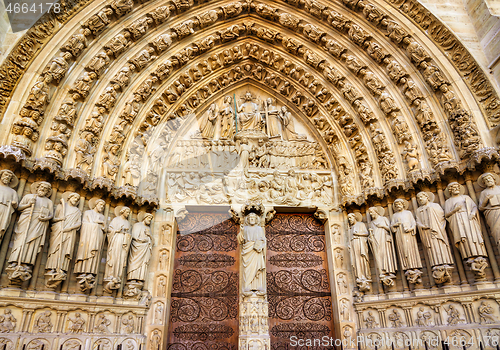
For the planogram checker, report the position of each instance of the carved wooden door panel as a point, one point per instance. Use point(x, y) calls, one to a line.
point(204, 305)
point(300, 302)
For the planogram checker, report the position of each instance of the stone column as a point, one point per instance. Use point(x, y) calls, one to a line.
point(254, 306)
point(340, 275)
point(156, 324)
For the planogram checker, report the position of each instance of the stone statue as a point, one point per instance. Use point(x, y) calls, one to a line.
point(8, 323)
point(43, 323)
point(29, 234)
point(253, 252)
point(249, 117)
point(288, 125)
point(382, 245)
point(489, 203)
point(140, 253)
point(244, 149)
point(77, 323)
point(8, 199)
point(90, 245)
point(486, 313)
point(395, 319)
point(359, 251)
point(67, 220)
point(119, 239)
point(208, 122)
point(226, 113)
point(404, 226)
point(272, 118)
point(432, 227)
point(423, 317)
point(462, 214)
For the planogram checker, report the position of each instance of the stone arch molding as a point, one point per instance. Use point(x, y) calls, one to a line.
point(388, 108)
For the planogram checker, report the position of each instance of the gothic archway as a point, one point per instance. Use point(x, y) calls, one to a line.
point(136, 102)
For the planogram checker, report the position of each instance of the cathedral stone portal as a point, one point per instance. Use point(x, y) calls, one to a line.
point(222, 175)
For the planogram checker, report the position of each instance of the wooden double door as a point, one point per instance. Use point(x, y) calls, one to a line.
point(204, 304)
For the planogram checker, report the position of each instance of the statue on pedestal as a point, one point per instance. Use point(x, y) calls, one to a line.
point(119, 239)
point(489, 203)
point(8, 199)
point(91, 241)
point(382, 245)
point(359, 251)
point(140, 254)
point(404, 227)
point(253, 251)
point(432, 227)
point(67, 220)
point(462, 214)
point(29, 234)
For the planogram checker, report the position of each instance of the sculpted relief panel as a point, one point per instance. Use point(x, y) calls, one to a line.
point(264, 162)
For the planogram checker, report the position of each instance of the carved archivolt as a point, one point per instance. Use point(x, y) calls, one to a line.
point(121, 82)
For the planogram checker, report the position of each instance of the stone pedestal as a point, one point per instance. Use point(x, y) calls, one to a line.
point(254, 327)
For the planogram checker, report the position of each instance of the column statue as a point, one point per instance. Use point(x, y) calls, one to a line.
point(119, 239)
point(489, 203)
point(91, 241)
point(462, 214)
point(382, 245)
point(140, 254)
point(36, 210)
point(404, 227)
point(432, 227)
point(253, 251)
point(359, 251)
point(67, 220)
point(8, 199)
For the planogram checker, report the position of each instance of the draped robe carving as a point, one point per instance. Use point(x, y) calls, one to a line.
point(253, 245)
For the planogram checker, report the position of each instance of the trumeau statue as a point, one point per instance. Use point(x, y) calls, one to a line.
point(253, 250)
point(119, 239)
point(382, 245)
point(8, 199)
point(67, 220)
point(29, 233)
point(404, 227)
point(90, 245)
point(140, 254)
point(463, 217)
point(431, 224)
point(359, 251)
point(489, 203)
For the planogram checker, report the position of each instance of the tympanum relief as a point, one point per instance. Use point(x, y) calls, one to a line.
point(248, 147)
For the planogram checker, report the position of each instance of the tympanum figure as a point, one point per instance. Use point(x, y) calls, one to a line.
point(382, 245)
point(404, 227)
point(249, 116)
point(8, 199)
point(119, 239)
point(462, 214)
point(140, 254)
point(359, 251)
point(432, 227)
point(90, 245)
point(29, 233)
point(253, 253)
point(489, 203)
point(67, 220)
